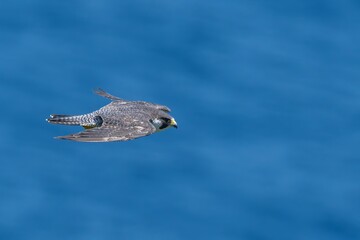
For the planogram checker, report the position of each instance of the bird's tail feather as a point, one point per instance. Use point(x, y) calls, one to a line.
point(65, 119)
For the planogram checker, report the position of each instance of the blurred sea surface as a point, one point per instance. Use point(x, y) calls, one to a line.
point(266, 95)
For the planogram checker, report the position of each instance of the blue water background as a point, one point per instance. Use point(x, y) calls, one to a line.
point(266, 95)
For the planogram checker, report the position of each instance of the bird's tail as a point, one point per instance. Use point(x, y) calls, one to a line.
point(65, 119)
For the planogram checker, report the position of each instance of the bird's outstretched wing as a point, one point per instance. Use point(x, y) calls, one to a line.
point(107, 133)
point(154, 105)
point(104, 94)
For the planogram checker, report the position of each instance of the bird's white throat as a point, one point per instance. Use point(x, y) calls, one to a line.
point(157, 123)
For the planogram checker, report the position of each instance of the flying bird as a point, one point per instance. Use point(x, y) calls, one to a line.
point(120, 120)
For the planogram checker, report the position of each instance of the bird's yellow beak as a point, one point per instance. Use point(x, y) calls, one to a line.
point(173, 123)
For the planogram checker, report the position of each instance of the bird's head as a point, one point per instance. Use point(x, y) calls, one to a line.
point(164, 121)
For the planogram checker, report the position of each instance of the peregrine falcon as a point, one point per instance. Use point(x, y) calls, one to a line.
point(120, 120)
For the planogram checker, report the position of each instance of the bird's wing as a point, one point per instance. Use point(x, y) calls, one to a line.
point(102, 93)
point(109, 133)
point(157, 106)
point(162, 107)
